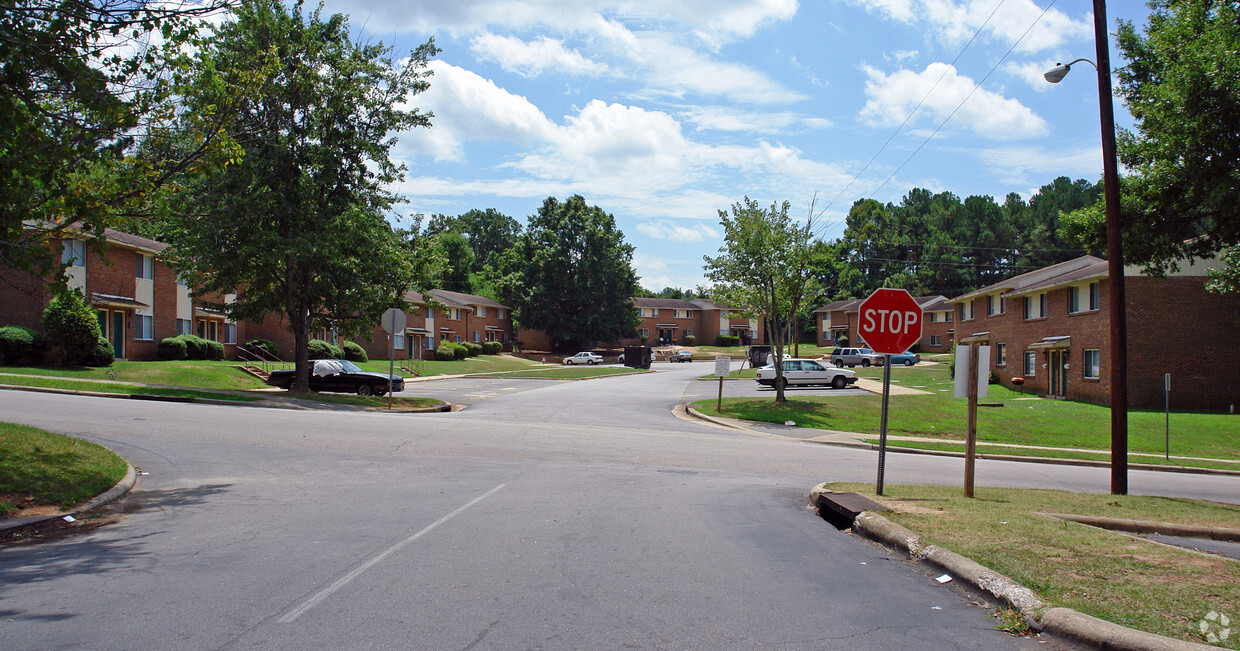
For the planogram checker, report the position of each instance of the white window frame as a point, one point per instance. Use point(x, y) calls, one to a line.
point(482, 311)
point(144, 267)
point(1095, 297)
point(935, 340)
point(1031, 364)
point(1001, 354)
point(74, 253)
point(1074, 299)
point(1096, 365)
point(143, 327)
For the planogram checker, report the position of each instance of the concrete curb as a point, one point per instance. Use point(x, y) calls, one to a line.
point(275, 403)
point(121, 488)
point(1145, 527)
point(1062, 622)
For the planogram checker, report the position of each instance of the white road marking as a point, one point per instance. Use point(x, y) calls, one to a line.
point(357, 571)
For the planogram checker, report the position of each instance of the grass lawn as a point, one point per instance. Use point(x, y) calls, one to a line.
point(477, 364)
point(129, 389)
point(1019, 420)
point(191, 374)
point(807, 350)
point(569, 372)
point(51, 469)
point(1105, 574)
point(398, 402)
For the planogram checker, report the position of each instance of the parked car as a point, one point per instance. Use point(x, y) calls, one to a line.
point(853, 356)
point(807, 372)
point(681, 356)
point(907, 358)
point(340, 375)
point(584, 357)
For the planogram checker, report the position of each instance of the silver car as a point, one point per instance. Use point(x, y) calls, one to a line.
point(853, 356)
point(807, 372)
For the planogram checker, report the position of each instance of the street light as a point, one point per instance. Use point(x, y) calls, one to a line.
point(1115, 250)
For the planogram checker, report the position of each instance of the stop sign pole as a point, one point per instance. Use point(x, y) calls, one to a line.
point(890, 322)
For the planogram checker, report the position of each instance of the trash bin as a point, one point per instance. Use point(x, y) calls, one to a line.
point(757, 355)
point(637, 356)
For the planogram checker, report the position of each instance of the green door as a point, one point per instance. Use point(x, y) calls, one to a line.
point(118, 333)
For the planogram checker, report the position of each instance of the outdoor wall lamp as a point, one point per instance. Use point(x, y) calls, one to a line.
point(1061, 70)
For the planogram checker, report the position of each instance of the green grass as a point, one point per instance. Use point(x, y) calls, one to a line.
point(1105, 574)
point(569, 372)
point(1060, 453)
point(52, 469)
point(398, 402)
point(1019, 421)
point(127, 389)
point(190, 374)
point(469, 365)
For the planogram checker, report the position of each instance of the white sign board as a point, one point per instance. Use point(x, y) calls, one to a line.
point(723, 366)
point(961, 388)
point(393, 321)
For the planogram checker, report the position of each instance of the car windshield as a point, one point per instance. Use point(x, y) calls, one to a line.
point(811, 366)
point(349, 367)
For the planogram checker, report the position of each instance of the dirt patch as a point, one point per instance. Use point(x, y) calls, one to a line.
point(58, 529)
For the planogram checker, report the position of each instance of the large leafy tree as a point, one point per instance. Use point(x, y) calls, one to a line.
point(79, 79)
point(296, 224)
point(764, 269)
point(1182, 86)
point(571, 275)
point(490, 233)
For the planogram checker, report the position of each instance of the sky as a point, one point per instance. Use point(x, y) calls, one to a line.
point(664, 113)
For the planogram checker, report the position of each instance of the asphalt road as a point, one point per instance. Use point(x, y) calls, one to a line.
point(547, 515)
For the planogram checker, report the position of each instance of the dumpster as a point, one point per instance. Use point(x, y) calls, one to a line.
point(637, 356)
point(758, 355)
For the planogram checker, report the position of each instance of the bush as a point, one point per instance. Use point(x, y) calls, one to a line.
point(320, 349)
point(102, 355)
point(459, 351)
point(445, 352)
point(195, 346)
point(724, 341)
point(72, 326)
point(354, 352)
point(688, 340)
point(215, 350)
point(21, 344)
point(492, 348)
point(472, 349)
point(266, 345)
point(171, 348)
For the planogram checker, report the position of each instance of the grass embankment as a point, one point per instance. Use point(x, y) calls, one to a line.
point(568, 372)
point(1105, 574)
point(1012, 418)
point(39, 468)
point(189, 374)
point(469, 365)
point(127, 389)
point(398, 402)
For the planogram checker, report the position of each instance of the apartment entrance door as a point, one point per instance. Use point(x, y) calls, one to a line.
point(1057, 368)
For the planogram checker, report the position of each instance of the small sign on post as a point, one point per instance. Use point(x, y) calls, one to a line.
point(971, 381)
point(723, 366)
point(392, 321)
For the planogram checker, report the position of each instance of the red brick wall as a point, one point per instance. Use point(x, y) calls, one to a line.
point(22, 299)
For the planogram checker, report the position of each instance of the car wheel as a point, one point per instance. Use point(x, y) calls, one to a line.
point(865, 363)
point(590, 362)
point(569, 362)
point(839, 382)
point(908, 362)
point(365, 389)
point(839, 363)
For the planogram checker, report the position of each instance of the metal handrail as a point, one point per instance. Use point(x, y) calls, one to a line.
point(260, 357)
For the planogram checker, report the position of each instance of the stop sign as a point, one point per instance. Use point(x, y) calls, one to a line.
point(890, 321)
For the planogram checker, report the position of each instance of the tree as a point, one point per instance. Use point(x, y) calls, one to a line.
point(296, 225)
point(571, 275)
point(78, 80)
point(489, 233)
point(70, 325)
point(1182, 86)
point(460, 260)
point(764, 269)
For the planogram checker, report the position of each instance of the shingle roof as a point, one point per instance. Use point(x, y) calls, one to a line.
point(1017, 284)
point(670, 303)
point(838, 306)
point(453, 299)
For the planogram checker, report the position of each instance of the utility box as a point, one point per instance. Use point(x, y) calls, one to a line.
point(638, 356)
point(757, 355)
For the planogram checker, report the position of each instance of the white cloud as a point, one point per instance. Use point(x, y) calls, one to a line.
point(663, 230)
point(890, 98)
point(722, 118)
point(535, 57)
point(955, 21)
point(674, 70)
point(468, 107)
point(1031, 73)
point(1021, 165)
point(656, 272)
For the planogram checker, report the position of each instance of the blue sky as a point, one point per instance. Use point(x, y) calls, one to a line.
point(664, 113)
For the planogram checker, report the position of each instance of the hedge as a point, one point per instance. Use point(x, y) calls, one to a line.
point(445, 352)
point(101, 355)
point(265, 345)
point(492, 348)
point(727, 340)
point(21, 344)
point(354, 352)
point(72, 325)
point(171, 348)
point(472, 349)
point(320, 349)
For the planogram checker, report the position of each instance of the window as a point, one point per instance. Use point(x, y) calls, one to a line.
point(947, 316)
point(482, 311)
point(456, 338)
point(1093, 296)
point(230, 332)
point(990, 305)
point(184, 327)
point(935, 340)
point(688, 332)
point(74, 254)
point(933, 318)
point(428, 343)
point(143, 326)
point(502, 314)
point(1031, 360)
point(144, 267)
point(476, 339)
point(1074, 300)
point(398, 342)
point(1000, 354)
point(454, 313)
point(1035, 306)
point(1002, 305)
point(654, 311)
point(1091, 364)
point(966, 311)
point(645, 332)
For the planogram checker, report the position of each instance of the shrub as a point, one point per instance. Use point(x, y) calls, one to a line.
point(689, 340)
point(215, 350)
point(320, 349)
point(19, 344)
point(724, 341)
point(354, 352)
point(472, 349)
point(72, 326)
point(266, 345)
point(445, 352)
point(171, 348)
point(101, 355)
point(195, 346)
point(492, 348)
point(459, 351)
point(842, 342)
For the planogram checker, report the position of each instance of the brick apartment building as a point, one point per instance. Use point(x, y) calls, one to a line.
point(838, 320)
point(1051, 327)
point(138, 299)
point(668, 321)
